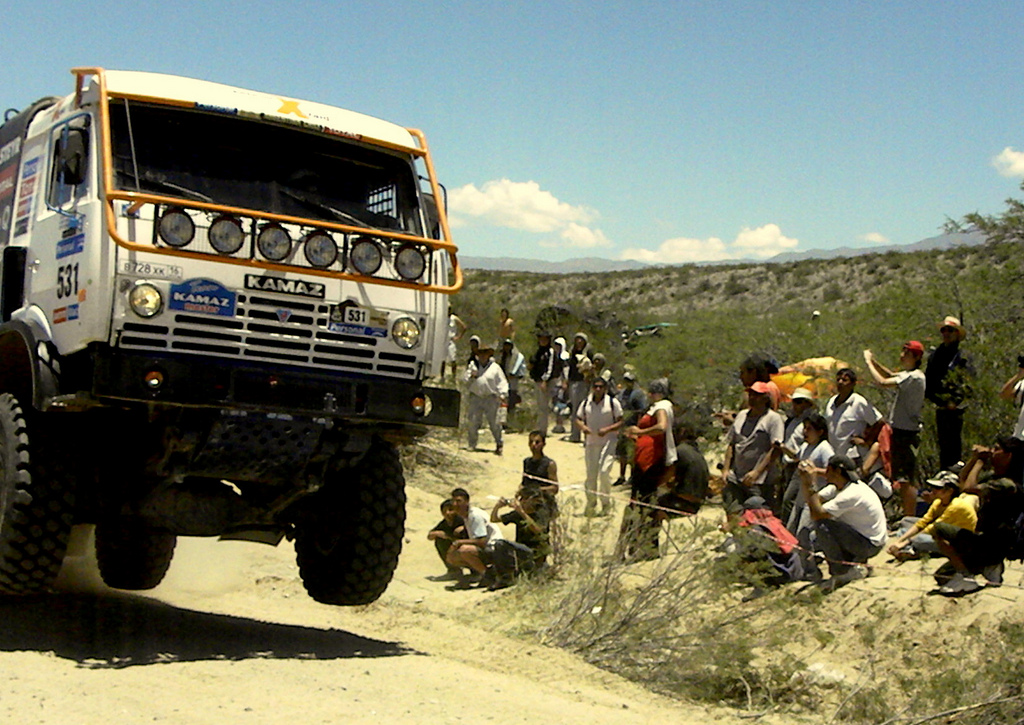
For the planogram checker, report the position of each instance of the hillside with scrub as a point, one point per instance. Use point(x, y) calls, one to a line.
point(717, 315)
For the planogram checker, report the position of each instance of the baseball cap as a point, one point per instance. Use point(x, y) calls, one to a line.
point(845, 465)
point(945, 479)
point(760, 387)
point(800, 394)
point(629, 375)
point(914, 346)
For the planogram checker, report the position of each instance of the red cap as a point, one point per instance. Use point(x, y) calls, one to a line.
point(760, 387)
point(915, 347)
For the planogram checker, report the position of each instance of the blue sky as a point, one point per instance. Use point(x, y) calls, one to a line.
point(665, 132)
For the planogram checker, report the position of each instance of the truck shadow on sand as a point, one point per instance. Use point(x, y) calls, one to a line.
point(117, 631)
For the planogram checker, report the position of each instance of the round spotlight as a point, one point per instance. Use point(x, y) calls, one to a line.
point(274, 242)
point(176, 227)
point(366, 255)
point(320, 249)
point(410, 262)
point(226, 235)
point(406, 333)
point(145, 300)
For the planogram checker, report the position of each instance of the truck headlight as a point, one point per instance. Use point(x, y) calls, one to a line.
point(145, 300)
point(226, 235)
point(320, 249)
point(410, 262)
point(176, 227)
point(366, 256)
point(274, 242)
point(406, 333)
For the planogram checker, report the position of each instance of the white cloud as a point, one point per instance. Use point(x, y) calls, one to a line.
point(577, 235)
point(761, 243)
point(874, 238)
point(516, 205)
point(1009, 162)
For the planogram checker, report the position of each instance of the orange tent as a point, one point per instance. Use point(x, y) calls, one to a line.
point(815, 374)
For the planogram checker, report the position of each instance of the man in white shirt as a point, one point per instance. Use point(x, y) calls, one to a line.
point(480, 535)
point(848, 527)
point(488, 390)
point(1013, 389)
point(848, 413)
point(599, 418)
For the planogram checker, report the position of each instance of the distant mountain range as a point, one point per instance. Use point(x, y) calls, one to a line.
point(598, 264)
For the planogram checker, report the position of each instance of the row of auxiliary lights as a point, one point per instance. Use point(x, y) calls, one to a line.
point(177, 229)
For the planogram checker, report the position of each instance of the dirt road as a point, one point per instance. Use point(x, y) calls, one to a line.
point(230, 636)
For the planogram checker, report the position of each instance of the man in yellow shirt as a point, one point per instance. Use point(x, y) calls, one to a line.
point(948, 506)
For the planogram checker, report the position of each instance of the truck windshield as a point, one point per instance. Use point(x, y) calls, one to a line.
point(262, 166)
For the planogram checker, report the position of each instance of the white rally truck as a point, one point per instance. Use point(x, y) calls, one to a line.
point(218, 312)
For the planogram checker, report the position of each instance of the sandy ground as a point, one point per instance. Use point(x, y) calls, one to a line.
point(230, 636)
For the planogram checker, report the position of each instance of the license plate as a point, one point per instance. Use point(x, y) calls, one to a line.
point(150, 269)
point(352, 319)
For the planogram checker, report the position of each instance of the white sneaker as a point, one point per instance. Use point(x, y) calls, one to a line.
point(959, 585)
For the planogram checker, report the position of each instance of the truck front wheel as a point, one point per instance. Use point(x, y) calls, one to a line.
point(36, 504)
point(347, 544)
point(131, 554)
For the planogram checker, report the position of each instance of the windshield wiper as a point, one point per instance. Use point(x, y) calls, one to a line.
point(148, 177)
point(337, 213)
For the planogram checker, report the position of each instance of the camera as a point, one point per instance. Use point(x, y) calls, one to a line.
point(1020, 361)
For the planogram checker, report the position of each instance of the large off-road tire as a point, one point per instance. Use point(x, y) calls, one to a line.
point(131, 554)
point(36, 503)
point(347, 547)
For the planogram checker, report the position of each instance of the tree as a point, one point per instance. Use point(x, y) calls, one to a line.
point(1005, 227)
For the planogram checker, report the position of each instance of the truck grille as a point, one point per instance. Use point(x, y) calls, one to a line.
point(269, 330)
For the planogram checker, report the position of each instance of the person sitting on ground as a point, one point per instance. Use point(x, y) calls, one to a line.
point(532, 546)
point(757, 536)
point(818, 451)
point(472, 551)
point(688, 487)
point(634, 403)
point(443, 534)
point(848, 528)
point(749, 448)
point(983, 550)
point(1003, 460)
point(872, 452)
point(948, 506)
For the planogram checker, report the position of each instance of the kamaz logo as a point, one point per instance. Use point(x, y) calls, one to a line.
point(208, 300)
point(283, 286)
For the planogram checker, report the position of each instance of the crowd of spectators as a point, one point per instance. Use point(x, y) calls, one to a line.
point(816, 484)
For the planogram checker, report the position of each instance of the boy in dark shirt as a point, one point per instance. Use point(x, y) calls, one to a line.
point(532, 520)
point(443, 535)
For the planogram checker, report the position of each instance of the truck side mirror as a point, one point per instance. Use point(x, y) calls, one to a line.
point(74, 156)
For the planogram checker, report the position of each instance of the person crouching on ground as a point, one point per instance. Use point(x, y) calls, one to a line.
point(488, 389)
point(948, 506)
point(759, 537)
point(848, 528)
point(983, 550)
point(532, 546)
point(599, 417)
point(473, 551)
point(446, 531)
